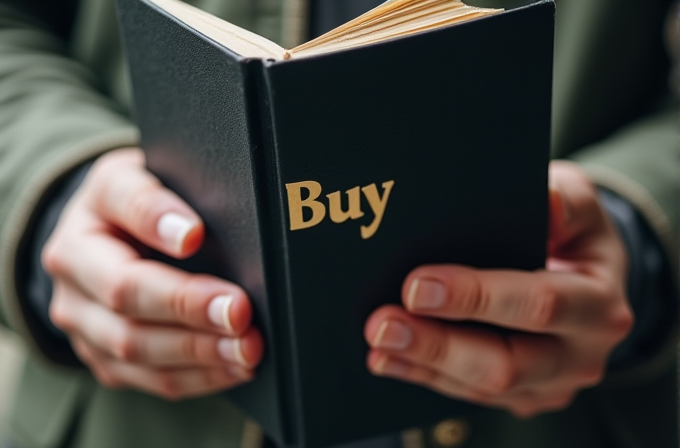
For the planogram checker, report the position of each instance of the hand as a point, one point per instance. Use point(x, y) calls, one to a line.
point(570, 316)
point(139, 323)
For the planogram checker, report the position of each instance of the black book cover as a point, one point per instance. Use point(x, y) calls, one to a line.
point(454, 124)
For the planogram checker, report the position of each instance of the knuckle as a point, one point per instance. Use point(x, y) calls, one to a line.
point(501, 378)
point(443, 385)
point(59, 315)
point(139, 208)
point(109, 164)
point(429, 378)
point(83, 353)
point(217, 377)
point(104, 163)
point(120, 288)
point(436, 351)
point(108, 380)
point(125, 346)
point(476, 298)
point(169, 387)
point(491, 369)
point(98, 179)
point(544, 308)
point(51, 257)
point(191, 347)
point(622, 320)
point(179, 300)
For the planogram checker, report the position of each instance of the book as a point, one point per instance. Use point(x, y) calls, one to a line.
point(418, 133)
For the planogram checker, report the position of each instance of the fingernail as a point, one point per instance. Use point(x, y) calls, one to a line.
point(230, 350)
point(391, 367)
point(426, 294)
point(239, 372)
point(173, 229)
point(393, 335)
point(218, 311)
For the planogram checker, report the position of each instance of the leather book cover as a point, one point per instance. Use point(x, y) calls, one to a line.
point(435, 146)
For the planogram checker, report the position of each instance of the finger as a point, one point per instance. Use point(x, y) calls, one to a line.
point(79, 251)
point(155, 345)
point(541, 301)
point(96, 363)
point(479, 358)
point(145, 289)
point(391, 366)
point(523, 405)
point(127, 195)
point(574, 206)
point(171, 384)
point(579, 227)
point(153, 291)
point(476, 358)
point(177, 384)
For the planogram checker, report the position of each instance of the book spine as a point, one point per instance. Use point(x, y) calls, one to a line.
point(271, 208)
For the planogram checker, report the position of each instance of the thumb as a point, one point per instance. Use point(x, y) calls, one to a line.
point(574, 207)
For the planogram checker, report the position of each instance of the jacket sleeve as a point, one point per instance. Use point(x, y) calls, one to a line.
point(52, 119)
point(610, 84)
point(613, 115)
point(640, 163)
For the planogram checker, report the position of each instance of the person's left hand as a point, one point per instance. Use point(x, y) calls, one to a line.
point(570, 316)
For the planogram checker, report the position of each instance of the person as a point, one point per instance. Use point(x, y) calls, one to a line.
point(128, 352)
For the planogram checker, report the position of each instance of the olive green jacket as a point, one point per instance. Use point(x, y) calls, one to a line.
point(65, 98)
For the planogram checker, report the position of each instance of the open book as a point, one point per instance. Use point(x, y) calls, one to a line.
point(418, 133)
point(394, 18)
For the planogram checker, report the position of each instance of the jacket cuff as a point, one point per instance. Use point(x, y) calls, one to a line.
point(20, 218)
point(643, 201)
point(661, 225)
point(639, 163)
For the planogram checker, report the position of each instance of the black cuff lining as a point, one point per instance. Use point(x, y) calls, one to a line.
point(650, 288)
point(34, 285)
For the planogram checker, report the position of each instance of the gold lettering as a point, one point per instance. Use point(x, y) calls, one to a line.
point(339, 216)
point(296, 204)
point(378, 206)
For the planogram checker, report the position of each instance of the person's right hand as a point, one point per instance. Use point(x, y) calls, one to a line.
point(139, 323)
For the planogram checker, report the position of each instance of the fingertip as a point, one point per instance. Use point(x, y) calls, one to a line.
point(426, 288)
point(240, 313)
point(382, 364)
point(373, 361)
point(407, 284)
point(241, 374)
point(193, 240)
point(376, 319)
point(225, 306)
point(252, 347)
point(179, 234)
point(557, 210)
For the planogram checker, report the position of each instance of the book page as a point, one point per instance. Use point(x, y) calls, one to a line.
point(392, 19)
point(235, 38)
